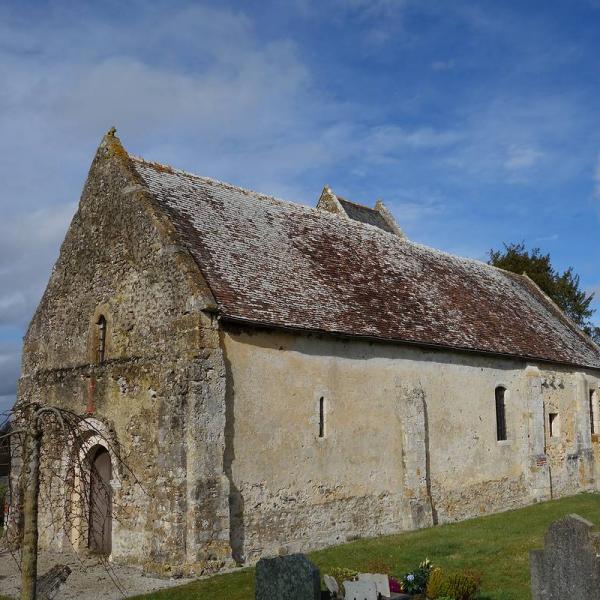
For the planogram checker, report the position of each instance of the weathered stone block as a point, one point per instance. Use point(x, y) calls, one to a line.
point(569, 564)
point(291, 577)
point(49, 584)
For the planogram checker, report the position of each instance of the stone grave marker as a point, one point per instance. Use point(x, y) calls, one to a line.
point(332, 585)
point(360, 590)
point(49, 584)
point(569, 564)
point(381, 581)
point(291, 577)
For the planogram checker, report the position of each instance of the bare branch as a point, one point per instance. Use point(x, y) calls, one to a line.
point(66, 473)
point(15, 432)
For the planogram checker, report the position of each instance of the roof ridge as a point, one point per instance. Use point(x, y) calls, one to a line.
point(357, 203)
point(296, 205)
point(225, 184)
point(314, 210)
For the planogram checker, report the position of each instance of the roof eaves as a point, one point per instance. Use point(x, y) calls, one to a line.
point(390, 340)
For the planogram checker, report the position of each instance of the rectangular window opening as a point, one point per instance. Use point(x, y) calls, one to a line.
point(553, 424)
point(321, 417)
point(101, 324)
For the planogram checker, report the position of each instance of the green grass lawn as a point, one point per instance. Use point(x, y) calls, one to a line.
point(497, 546)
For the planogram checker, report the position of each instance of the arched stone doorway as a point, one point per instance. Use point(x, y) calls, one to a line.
point(92, 477)
point(100, 501)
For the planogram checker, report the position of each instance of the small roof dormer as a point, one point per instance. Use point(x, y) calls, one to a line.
point(379, 216)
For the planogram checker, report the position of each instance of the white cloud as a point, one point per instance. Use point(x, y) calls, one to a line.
point(241, 95)
point(442, 65)
point(6, 403)
point(28, 248)
point(515, 139)
point(373, 9)
point(521, 157)
point(387, 139)
point(380, 21)
point(546, 238)
point(10, 357)
point(411, 206)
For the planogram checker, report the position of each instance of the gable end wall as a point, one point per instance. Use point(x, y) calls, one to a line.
point(160, 391)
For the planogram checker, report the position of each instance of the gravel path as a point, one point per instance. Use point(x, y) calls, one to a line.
point(89, 579)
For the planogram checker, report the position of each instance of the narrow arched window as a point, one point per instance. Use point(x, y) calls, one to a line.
point(101, 332)
point(500, 413)
point(321, 417)
point(594, 412)
point(553, 424)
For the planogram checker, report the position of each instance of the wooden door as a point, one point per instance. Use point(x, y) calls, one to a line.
point(100, 503)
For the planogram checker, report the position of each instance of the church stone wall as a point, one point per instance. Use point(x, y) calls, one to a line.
point(410, 438)
point(158, 395)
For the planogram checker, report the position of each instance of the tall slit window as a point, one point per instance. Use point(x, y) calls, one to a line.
point(594, 412)
point(553, 424)
point(101, 350)
point(321, 417)
point(500, 413)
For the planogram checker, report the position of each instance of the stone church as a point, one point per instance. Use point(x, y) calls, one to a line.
point(277, 378)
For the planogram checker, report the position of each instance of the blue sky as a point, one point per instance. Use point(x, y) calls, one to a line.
point(476, 122)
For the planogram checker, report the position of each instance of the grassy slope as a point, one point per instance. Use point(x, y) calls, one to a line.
point(497, 546)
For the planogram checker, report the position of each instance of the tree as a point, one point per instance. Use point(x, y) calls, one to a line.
point(562, 288)
point(31, 424)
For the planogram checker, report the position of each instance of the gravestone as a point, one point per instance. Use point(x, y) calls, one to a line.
point(49, 584)
point(360, 590)
point(332, 585)
point(569, 565)
point(291, 577)
point(381, 581)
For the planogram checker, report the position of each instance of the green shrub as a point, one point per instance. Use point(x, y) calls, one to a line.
point(457, 586)
point(460, 586)
point(435, 584)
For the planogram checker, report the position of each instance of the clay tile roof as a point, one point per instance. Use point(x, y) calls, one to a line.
point(280, 264)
